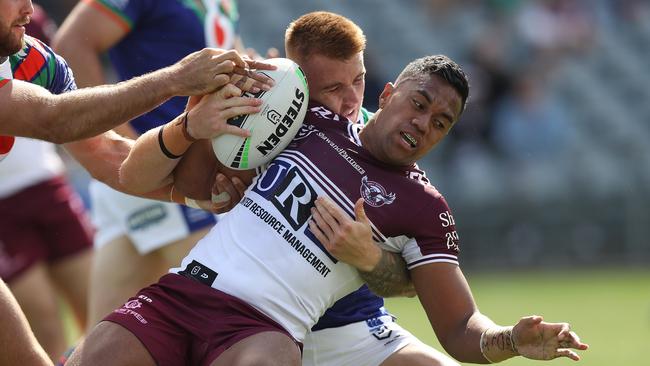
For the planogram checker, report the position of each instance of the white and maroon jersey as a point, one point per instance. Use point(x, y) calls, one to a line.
point(263, 251)
point(6, 142)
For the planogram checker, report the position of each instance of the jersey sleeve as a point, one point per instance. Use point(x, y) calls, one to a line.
point(38, 64)
point(64, 78)
point(436, 239)
point(56, 75)
point(5, 72)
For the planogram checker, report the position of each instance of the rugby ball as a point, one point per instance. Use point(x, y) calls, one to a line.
point(282, 112)
point(6, 143)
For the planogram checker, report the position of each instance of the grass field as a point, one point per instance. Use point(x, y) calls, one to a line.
point(609, 309)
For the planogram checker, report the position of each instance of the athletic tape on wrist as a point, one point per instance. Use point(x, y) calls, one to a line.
point(512, 340)
point(192, 203)
point(221, 197)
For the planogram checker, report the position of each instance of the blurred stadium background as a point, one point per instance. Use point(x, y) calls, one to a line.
point(548, 171)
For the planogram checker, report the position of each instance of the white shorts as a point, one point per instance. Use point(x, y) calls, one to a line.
point(149, 224)
point(364, 343)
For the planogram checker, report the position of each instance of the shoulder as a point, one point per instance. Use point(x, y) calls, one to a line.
point(37, 63)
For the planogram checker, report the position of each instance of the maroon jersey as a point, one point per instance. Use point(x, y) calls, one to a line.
point(268, 234)
point(408, 214)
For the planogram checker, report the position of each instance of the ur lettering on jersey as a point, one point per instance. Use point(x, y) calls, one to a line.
point(263, 251)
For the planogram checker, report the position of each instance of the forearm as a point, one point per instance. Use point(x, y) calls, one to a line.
point(87, 112)
point(389, 277)
point(497, 344)
point(480, 340)
point(83, 58)
point(151, 161)
point(102, 156)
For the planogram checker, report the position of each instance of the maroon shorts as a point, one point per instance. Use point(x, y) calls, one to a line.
point(44, 222)
point(183, 322)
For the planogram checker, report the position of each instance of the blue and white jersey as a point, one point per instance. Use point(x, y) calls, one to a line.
point(263, 251)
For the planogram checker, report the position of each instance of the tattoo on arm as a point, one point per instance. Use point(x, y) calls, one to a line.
point(390, 277)
point(497, 344)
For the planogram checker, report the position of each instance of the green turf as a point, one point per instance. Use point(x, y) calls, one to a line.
point(609, 309)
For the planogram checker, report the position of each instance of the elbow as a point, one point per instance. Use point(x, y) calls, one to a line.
point(130, 181)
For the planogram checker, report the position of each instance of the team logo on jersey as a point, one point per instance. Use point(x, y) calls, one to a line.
point(304, 132)
point(133, 304)
point(374, 193)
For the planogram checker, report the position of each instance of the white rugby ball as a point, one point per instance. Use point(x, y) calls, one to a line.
point(282, 112)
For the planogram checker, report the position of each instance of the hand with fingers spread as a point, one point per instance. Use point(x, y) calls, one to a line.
point(349, 240)
point(532, 338)
point(208, 115)
point(539, 340)
point(207, 70)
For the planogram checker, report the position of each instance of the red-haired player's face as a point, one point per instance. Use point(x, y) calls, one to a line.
point(14, 14)
point(337, 84)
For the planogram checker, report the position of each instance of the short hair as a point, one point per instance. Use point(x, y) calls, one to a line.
point(323, 33)
point(442, 66)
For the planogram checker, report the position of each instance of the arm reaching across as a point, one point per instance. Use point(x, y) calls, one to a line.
point(350, 240)
point(32, 111)
point(469, 336)
point(155, 154)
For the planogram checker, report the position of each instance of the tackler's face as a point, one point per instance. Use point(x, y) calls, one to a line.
point(337, 84)
point(414, 116)
point(14, 15)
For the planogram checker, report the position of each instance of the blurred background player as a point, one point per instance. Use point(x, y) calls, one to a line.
point(144, 237)
point(45, 236)
point(30, 76)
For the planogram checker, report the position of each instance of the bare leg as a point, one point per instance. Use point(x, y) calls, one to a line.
point(70, 275)
point(262, 349)
point(111, 285)
point(18, 346)
point(37, 296)
point(419, 354)
point(118, 272)
point(110, 344)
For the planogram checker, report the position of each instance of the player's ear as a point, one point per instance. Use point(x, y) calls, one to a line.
point(383, 97)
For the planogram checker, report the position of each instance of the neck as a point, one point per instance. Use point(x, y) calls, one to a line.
point(364, 136)
point(3, 59)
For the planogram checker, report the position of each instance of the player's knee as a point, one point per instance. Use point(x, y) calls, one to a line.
point(419, 354)
point(262, 349)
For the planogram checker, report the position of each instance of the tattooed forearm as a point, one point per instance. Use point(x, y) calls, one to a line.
point(497, 344)
point(390, 277)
